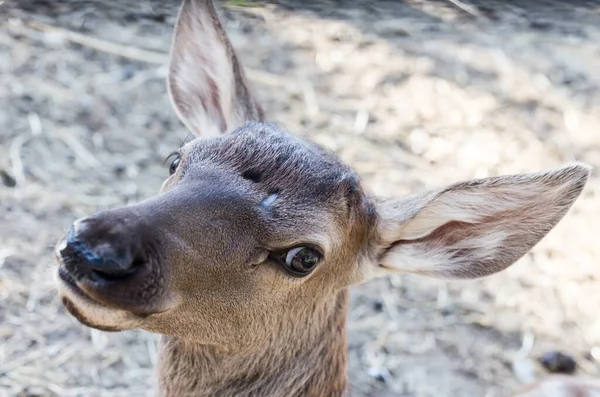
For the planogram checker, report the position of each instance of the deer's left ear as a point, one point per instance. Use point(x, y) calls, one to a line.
point(476, 228)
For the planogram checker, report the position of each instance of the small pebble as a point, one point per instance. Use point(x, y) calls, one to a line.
point(557, 362)
point(119, 169)
point(7, 179)
point(378, 305)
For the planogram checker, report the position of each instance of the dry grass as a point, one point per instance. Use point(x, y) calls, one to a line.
point(413, 95)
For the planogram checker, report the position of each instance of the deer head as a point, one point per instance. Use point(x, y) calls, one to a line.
point(255, 225)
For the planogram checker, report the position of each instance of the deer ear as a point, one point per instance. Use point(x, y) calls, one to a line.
point(476, 228)
point(206, 81)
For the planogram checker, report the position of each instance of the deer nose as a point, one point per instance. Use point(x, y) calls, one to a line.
point(96, 250)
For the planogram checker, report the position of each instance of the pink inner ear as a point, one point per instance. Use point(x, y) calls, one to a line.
point(480, 227)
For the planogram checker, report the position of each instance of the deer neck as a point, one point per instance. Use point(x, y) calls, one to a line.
point(306, 360)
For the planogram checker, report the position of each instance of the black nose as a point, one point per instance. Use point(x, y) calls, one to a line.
point(98, 250)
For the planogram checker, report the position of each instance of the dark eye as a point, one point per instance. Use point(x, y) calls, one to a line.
point(300, 261)
point(174, 163)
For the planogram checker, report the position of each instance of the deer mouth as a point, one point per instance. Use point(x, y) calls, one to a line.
point(77, 302)
point(87, 310)
point(70, 282)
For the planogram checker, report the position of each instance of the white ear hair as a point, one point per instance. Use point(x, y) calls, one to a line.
point(475, 228)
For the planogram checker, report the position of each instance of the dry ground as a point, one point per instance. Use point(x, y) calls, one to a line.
point(413, 94)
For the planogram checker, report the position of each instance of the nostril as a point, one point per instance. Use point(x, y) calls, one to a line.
point(94, 257)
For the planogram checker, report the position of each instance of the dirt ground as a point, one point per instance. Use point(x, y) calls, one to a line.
point(413, 94)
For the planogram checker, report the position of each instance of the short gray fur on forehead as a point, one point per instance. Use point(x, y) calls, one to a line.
point(286, 163)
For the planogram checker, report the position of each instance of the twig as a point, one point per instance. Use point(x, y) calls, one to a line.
point(35, 123)
point(79, 150)
point(99, 339)
point(469, 9)
point(270, 79)
point(152, 350)
point(310, 98)
point(361, 121)
point(15, 159)
point(134, 53)
point(526, 346)
point(143, 55)
point(522, 367)
point(29, 356)
point(390, 303)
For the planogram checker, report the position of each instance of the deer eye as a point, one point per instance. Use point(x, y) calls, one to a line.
point(300, 261)
point(175, 163)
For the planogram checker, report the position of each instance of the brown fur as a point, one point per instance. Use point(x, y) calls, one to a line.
point(294, 361)
point(198, 264)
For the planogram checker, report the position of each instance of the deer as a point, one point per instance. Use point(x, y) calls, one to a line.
point(243, 261)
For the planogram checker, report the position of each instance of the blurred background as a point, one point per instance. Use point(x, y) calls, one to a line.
point(413, 94)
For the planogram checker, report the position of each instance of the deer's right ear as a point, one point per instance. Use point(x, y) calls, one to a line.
point(206, 81)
